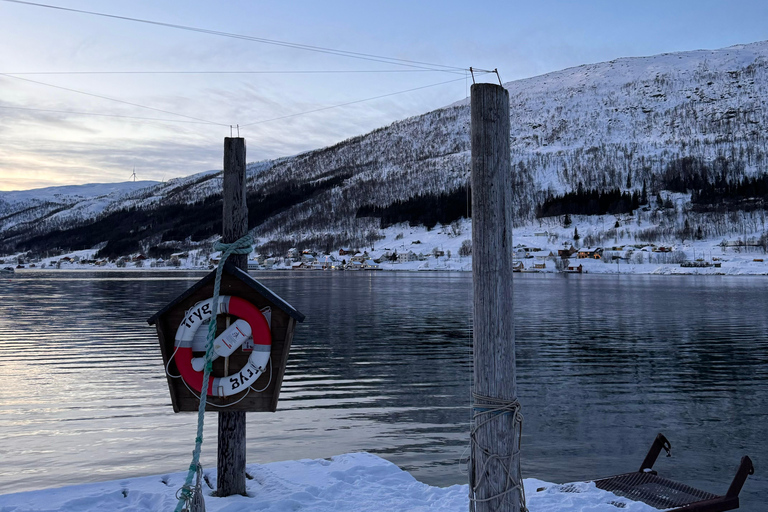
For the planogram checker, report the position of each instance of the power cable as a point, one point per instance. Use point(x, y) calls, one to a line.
point(299, 46)
point(376, 58)
point(104, 115)
point(350, 103)
point(112, 99)
point(154, 119)
point(277, 72)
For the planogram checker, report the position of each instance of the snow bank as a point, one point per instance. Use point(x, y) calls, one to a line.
point(354, 482)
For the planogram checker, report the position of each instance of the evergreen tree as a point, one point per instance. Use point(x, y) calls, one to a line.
point(576, 234)
point(567, 221)
point(686, 231)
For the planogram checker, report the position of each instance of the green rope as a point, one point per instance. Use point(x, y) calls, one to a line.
point(241, 246)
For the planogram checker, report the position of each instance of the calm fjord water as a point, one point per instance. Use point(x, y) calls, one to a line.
point(383, 363)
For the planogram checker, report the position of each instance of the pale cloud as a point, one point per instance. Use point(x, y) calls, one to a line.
point(521, 39)
point(30, 164)
point(42, 148)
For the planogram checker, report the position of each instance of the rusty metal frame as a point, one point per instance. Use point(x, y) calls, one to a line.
point(647, 486)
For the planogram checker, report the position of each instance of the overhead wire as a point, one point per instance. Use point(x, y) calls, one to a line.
point(136, 118)
point(200, 121)
point(112, 99)
point(349, 103)
point(419, 66)
point(274, 42)
point(264, 72)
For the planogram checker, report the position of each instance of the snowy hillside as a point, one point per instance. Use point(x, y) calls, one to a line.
point(597, 123)
point(618, 125)
point(57, 206)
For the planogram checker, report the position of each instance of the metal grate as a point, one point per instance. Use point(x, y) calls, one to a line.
point(653, 490)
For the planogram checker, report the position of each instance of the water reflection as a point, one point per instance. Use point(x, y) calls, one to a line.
point(383, 363)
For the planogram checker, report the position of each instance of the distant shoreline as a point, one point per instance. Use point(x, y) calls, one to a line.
point(653, 270)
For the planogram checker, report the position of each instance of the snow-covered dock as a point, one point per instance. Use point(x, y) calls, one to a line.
point(354, 482)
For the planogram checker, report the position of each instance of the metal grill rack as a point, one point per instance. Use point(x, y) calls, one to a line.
point(647, 486)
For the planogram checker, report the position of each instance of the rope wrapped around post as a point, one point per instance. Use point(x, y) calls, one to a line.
point(484, 410)
point(187, 494)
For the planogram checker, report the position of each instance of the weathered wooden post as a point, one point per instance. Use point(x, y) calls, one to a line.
point(494, 473)
point(230, 462)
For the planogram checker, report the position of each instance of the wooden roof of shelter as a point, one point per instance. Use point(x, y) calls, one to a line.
point(234, 271)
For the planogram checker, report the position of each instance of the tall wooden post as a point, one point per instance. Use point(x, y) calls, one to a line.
point(230, 464)
point(493, 476)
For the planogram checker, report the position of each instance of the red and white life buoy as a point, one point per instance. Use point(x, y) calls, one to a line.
point(251, 323)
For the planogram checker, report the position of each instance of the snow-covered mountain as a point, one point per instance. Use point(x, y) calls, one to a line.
point(621, 124)
point(73, 192)
point(598, 122)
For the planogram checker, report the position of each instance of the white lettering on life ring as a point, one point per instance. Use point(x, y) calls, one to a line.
point(251, 324)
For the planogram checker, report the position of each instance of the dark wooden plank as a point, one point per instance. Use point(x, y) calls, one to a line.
point(278, 384)
point(166, 356)
point(261, 402)
point(279, 319)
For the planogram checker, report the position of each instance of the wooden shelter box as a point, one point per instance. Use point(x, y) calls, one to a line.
point(234, 282)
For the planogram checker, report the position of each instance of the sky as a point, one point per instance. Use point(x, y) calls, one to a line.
point(91, 99)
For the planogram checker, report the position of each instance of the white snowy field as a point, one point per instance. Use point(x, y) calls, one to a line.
point(631, 256)
point(536, 246)
point(354, 482)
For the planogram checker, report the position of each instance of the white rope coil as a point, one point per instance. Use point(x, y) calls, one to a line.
point(484, 410)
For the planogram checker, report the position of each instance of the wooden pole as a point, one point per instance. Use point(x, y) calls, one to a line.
point(494, 334)
point(231, 450)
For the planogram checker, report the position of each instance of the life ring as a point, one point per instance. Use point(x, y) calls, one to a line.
point(252, 323)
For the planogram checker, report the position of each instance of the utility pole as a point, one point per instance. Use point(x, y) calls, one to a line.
point(494, 465)
point(230, 462)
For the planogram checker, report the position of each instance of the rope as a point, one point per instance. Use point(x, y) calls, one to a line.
point(241, 246)
point(486, 409)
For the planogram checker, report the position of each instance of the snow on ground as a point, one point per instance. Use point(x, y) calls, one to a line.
point(354, 482)
point(551, 236)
